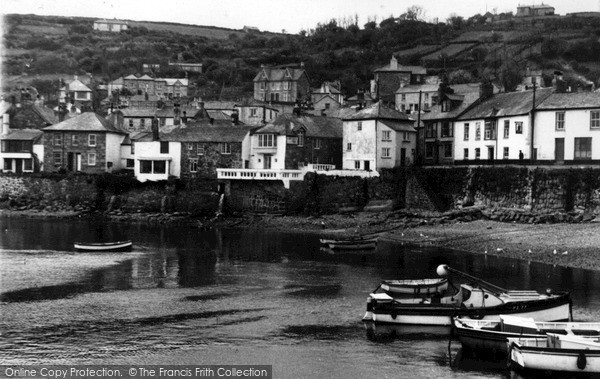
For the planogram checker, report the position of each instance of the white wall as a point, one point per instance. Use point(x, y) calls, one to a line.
point(113, 150)
point(277, 153)
point(144, 150)
point(577, 124)
point(364, 144)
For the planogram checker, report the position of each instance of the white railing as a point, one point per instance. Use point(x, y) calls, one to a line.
point(287, 175)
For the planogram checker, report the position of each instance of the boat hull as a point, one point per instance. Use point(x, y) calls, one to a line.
point(551, 309)
point(549, 359)
point(103, 247)
point(353, 246)
point(418, 287)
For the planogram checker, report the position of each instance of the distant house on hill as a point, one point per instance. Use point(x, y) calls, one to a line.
point(193, 67)
point(534, 10)
point(282, 84)
point(251, 29)
point(113, 25)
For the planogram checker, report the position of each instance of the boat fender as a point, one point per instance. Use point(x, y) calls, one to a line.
point(394, 315)
point(581, 361)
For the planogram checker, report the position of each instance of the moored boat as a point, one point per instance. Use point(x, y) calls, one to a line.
point(491, 336)
point(480, 300)
point(555, 353)
point(415, 287)
point(103, 246)
point(351, 243)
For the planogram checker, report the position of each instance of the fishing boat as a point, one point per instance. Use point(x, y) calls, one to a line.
point(414, 287)
point(478, 300)
point(490, 336)
point(351, 243)
point(103, 246)
point(555, 352)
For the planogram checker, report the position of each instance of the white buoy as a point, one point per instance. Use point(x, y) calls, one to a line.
point(565, 253)
point(555, 252)
point(441, 270)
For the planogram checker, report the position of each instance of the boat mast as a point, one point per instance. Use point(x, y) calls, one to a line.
point(443, 270)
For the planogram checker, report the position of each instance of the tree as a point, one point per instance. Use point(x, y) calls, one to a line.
point(413, 13)
point(456, 21)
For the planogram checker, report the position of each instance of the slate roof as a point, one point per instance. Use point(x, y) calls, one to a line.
point(46, 114)
point(315, 126)
point(399, 126)
point(251, 102)
point(106, 21)
point(279, 74)
point(24, 134)
point(435, 112)
point(85, 122)
point(326, 88)
point(77, 85)
point(222, 105)
point(577, 100)
point(169, 111)
point(138, 112)
point(506, 104)
point(411, 88)
point(203, 132)
point(400, 68)
point(378, 111)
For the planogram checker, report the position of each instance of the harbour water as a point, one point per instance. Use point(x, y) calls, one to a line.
point(245, 296)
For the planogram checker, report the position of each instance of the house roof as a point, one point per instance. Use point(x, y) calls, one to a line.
point(315, 126)
point(173, 81)
point(131, 77)
point(220, 105)
point(77, 85)
point(417, 70)
point(252, 102)
point(138, 112)
point(279, 74)
point(46, 114)
point(24, 134)
point(169, 111)
point(85, 122)
point(378, 111)
point(145, 77)
point(506, 104)
point(326, 88)
point(411, 88)
point(204, 132)
point(399, 126)
point(114, 21)
point(577, 100)
point(435, 112)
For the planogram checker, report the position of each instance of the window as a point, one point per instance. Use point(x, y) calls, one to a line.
point(318, 143)
point(327, 105)
point(560, 121)
point(349, 146)
point(447, 129)
point(359, 126)
point(477, 131)
point(129, 163)
point(91, 159)
point(448, 150)
point(57, 139)
point(164, 147)
point(190, 146)
point(145, 167)
point(253, 112)
point(406, 136)
point(91, 140)
point(490, 130)
point(57, 158)
point(518, 127)
point(506, 128)
point(466, 153)
point(429, 146)
point(200, 148)
point(403, 97)
point(286, 85)
point(505, 153)
point(466, 136)
point(27, 164)
point(194, 165)
point(301, 138)
point(445, 105)
point(583, 148)
point(132, 148)
point(160, 167)
point(477, 153)
point(385, 152)
point(430, 131)
point(225, 148)
point(267, 140)
point(386, 135)
point(357, 165)
point(75, 140)
point(131, 124)
point(142, 123)
point(595, 119)
point(8, 164)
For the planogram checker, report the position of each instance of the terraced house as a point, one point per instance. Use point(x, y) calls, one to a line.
point(87, 143)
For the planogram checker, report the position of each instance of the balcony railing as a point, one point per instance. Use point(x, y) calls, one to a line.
point(288, 175)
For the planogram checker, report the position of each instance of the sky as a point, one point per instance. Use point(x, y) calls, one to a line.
point(275, 15)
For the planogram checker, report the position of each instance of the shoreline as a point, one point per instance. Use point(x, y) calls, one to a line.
point(574, 245)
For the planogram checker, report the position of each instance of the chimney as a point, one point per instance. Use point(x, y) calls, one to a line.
point(184, 118)
point(5, 123)
point(62, 111)
point(486, 90)
point(393, 63)
point(155, 135)
point(234, 118)
point(176, 112)
point(558, 84)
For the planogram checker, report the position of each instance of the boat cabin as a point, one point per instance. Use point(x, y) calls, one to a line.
point(476, 297)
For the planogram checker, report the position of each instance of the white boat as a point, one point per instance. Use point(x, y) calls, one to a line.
point(555, 352)
point(481, 300)
point(491, 336)
point(415, 287)
point(103, 246)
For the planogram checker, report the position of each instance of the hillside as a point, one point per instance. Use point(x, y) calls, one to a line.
point(39, 50)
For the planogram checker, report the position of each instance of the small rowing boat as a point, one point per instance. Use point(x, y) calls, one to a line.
point(103, 246)
point(491, 336)
point(351, 243)
point(415, 287)
point(555, 353)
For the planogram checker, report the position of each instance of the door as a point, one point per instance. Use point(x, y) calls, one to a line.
point(19, 165)
point(70, 162)
point(490, 153)
point(559, 149)
point(267, 162)
point(402, 157)
point(367, 165)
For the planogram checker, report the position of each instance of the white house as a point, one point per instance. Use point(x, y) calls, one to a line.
point(499, 127)
point(154, 159)
point(75, 91)
point(567, 127)
point(113, 25)
point(378, 137)
point(22, 149)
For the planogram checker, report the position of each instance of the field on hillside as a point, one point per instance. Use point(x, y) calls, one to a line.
point(193, 30)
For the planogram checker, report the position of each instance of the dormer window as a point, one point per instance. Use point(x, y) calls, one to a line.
point(446, 105)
